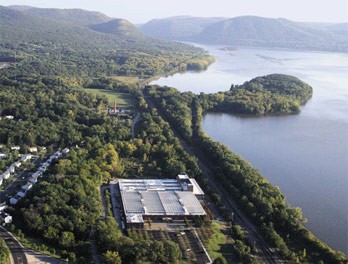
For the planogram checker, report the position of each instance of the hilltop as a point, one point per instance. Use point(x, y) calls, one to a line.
point(252, 31)
point(39, 37)
point(178, 28)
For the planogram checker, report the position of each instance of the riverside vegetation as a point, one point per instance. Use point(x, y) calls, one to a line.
point(50, 64)
point(281, 224)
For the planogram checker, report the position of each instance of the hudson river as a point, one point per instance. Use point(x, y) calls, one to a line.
point(306, 155)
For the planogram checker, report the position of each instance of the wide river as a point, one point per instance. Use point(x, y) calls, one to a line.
point(306, 155)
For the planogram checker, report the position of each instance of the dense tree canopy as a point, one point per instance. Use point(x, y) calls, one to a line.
point(271, 94)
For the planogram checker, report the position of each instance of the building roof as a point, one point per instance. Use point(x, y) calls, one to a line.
point(157, 197)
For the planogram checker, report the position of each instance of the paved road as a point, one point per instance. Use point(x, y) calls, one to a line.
point(15, 247)
point(266, 253)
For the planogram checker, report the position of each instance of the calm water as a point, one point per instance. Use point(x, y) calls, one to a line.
point(305, 154)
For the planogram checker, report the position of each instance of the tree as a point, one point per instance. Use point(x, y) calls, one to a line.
point(67, 239)
point(4, 252)
point(220, 260)
point(172, 252)
point(112, 257)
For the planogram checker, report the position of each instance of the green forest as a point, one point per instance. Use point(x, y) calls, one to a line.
point(271, 94)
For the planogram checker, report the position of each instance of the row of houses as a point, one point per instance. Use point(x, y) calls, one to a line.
point(12, 168)
point(38, 174)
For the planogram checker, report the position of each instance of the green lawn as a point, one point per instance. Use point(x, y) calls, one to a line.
point(126, 79)
point(122, 99)
point(216, 242)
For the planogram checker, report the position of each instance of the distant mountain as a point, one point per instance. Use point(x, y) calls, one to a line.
point(62, 44)
point(75, 16)
point(251, 31)
point(61, 29)
point(20, 7)
point(178, 28)
point(121, 27)
point(341, 29)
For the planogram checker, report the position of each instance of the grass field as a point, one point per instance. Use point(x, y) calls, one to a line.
point(126, 79)
point(122, 99)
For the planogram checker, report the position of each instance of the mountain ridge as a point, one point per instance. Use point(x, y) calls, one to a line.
point(255, 31)
point(75, 16)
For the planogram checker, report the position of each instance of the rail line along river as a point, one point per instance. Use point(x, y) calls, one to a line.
point(306, 155)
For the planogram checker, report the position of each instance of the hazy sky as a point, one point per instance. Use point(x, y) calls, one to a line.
point(138, 11)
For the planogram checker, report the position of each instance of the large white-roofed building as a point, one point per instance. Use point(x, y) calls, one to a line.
point(159, 199)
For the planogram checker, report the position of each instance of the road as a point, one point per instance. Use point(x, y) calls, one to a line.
point(15, 247)
point(266, 253)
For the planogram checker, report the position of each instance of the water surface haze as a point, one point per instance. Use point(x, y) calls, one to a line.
point(305, 154)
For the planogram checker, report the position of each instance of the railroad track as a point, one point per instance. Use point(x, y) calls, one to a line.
point(16, 249)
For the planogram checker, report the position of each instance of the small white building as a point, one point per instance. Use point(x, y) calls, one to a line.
point(12, 169)
point(10, 117)
point(27, 187)
point(20, 194)
point(3, 206)
point(47, 164)
point(5, 218)
point(6, 175)
point(43, 168)
point(37, 174)
point(13, 201)
point(32, 149)
point(33, 180)
point(26, 157)
point(65, 151)
point(3, 156)
point(57, 154)
point(17, 164)
point(15, 148)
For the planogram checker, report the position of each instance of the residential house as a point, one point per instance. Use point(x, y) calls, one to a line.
point(32, 149)
point(12, 169)
point(33, 180)
point(15, 148)
point(13, 201)
point(5, 218)
point(27, 187)
point(6, 175)
point(65, 151)
point(3, 206)
point(20, 194)
point(37, 174)
point(26, 157)
point(17, 164)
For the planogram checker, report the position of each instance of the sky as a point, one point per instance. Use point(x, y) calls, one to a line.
point(140, 11)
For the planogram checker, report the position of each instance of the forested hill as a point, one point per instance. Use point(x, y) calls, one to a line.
point(75, 16)
point(120, 27)
point(178, 28)
point(252, 31)
point(61, 45)
point(275, 93)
